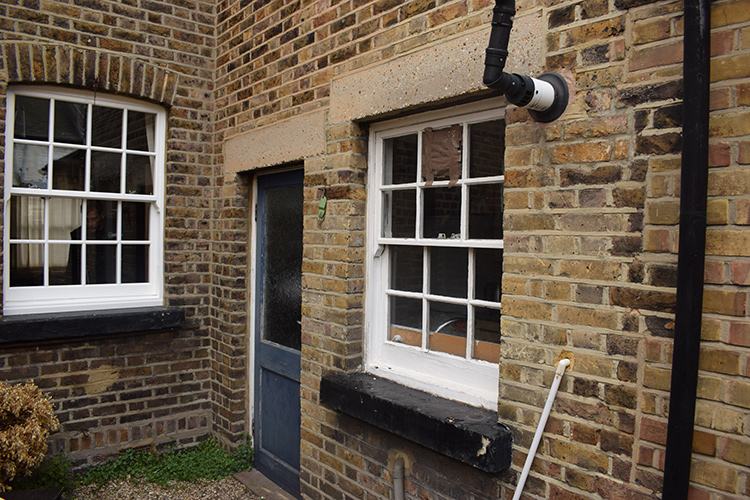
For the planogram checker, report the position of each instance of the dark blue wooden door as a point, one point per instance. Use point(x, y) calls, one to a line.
point(277, 328)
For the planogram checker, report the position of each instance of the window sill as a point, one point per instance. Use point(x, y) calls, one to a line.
point(59, 326)
point(462, 432)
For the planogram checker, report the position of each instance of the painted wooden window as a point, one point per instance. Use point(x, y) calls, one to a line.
point(83, 201)
point(435, 251)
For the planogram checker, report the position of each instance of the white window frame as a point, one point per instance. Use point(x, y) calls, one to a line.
point(69, 298)
point(467, 380)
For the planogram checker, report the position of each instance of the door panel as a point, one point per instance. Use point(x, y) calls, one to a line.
point(278, 300)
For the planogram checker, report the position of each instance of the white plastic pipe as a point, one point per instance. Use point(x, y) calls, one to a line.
point(544, 95)
point(561, 366)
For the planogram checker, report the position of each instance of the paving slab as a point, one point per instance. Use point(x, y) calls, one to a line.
point(261, 486)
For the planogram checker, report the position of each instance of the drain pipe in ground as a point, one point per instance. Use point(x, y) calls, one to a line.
point(398, 479)
point(692, 249)
point(561, 366)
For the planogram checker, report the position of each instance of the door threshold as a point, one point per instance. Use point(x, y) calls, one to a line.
point(261, 486)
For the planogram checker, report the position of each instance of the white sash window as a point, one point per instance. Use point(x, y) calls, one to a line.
point(84, 188)
point(435, 247)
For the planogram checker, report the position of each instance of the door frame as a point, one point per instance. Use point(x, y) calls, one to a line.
point(252, 330)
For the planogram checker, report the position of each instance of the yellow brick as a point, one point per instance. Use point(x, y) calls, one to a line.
point(720, 361)
point(727, 13)
point(729, 243)
point(717, 212)
point(664, 212)
point(729, 183)
point(657, 378)
point(527, 309)
point(729, 124)
point(714, 475)
point(579, 316)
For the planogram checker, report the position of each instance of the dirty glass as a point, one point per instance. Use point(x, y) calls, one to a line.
point(134, 263)
point(30, 166)
point(486, 212)
point(31, 118)
point(447, 328)
point(135, 219)
point(26, 264)
point(442, 212)
point(70, 122)
point(106, 128)
point(488, 263)
point(141, 131)
point(400, 213)
point(68, 168)
point(407, 268)
point(400, 158)
point(282, 257)
point(448, 271)
point(487, 334)
point(138, 176)
point(105, 171)
point(486, 148)
point(405, 321)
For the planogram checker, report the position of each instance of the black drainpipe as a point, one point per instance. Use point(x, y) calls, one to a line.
point(691, 258)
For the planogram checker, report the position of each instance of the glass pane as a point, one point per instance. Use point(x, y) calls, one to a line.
point(282, 274)
point(488, 275)
point(487, 334)
point(406, 321)
point(135, 263)
point(105, 171)
point(138, 178)
point(141, 131)
point(401, 211)
point(26, 264)
point(441, 154)
point(65, 264)
point(65, 219)
point(135, 218)
point(406, 268)
point(31, 118)
point(449, 271)
point(101, 265)
point(26, 217)
point(101, 220)
point(487, 148)
point(486, 211)
point(30, 166)
point(442, 212)
point(69, 169)
point(400, 155)
point(70, 122)
point(106, 127)
point(448, 328)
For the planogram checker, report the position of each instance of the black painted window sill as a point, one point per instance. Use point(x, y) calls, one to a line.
point(110, 322)
point(466, 433)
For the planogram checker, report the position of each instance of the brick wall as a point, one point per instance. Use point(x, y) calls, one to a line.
point(591, 217)
point(591, 208)
point(150, 388)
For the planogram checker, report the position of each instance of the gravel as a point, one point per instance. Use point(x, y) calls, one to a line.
point(224, 489)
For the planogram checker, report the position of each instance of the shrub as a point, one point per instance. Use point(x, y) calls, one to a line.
point(26, 419)
point(54, 471)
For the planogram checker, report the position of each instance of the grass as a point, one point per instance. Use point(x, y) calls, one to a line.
point(206, 461)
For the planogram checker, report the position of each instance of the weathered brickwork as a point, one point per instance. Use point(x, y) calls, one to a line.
point(150, 389)
point(591, 212)
point(590, 233)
